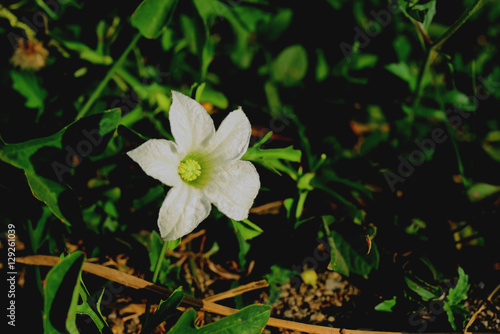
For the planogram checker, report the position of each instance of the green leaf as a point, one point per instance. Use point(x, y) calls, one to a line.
point(322, 68)
point(244, 246)
point(480, 191)
point(167, 39)
point(152, 195)
point(290, 66)
point(249, 320)
point(61, 295)
point(424, 290)
point(403, 71)
point(459, 100)
point(429, 10)
point(459, 293)
point(304, 182)
point(287, 153)
point(402, 46)
point(154, 252)
point(96, 314)
point(247, 229)
point(244, 21)
point(152, 16)
point(166, 310)
point(415, 226)
point(52, 194)
point(277, 276)
point(349, 251)
point(491, 145)
point(47, 161)
point(348, 67)
point(28, 85)
point(386, 305)
point(277, 25)
point(354, 212)
point(337, 261)
point(216, 98)
point(455, 296)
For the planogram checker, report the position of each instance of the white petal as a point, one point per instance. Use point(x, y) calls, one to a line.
point(232, 188)
point(159, 159)
point(190, 123)
point(182, 211)
point(232, 137)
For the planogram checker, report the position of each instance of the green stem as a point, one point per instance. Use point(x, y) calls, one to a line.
point(451, 133)
point(159, 261)
point(135, 84)
point(300, 204)
point(46, 9)
point(161, 256)
point(458, 23)
point(15, 23)
point(95, 95)
point(437, 44)
point(34, 246)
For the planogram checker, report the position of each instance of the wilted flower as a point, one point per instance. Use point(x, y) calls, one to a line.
point(30, 54)
point(202, 166)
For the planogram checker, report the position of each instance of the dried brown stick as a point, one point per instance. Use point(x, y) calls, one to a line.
point(208, 306)
point(483, 306)
point(237, 291)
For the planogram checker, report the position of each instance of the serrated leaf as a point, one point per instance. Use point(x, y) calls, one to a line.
point(276, 277)
point(455, 296)
point(459, 292)
point(28, 85)
point(249, 320)
point(61, 295)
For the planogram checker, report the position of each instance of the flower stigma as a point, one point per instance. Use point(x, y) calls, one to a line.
point(189, 170)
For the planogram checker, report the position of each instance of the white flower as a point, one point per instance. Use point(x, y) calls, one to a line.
point(202, 166)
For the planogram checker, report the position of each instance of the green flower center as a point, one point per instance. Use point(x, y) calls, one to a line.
point(189, 170)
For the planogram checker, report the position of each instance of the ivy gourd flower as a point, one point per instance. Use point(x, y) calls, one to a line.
point(202, 166)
